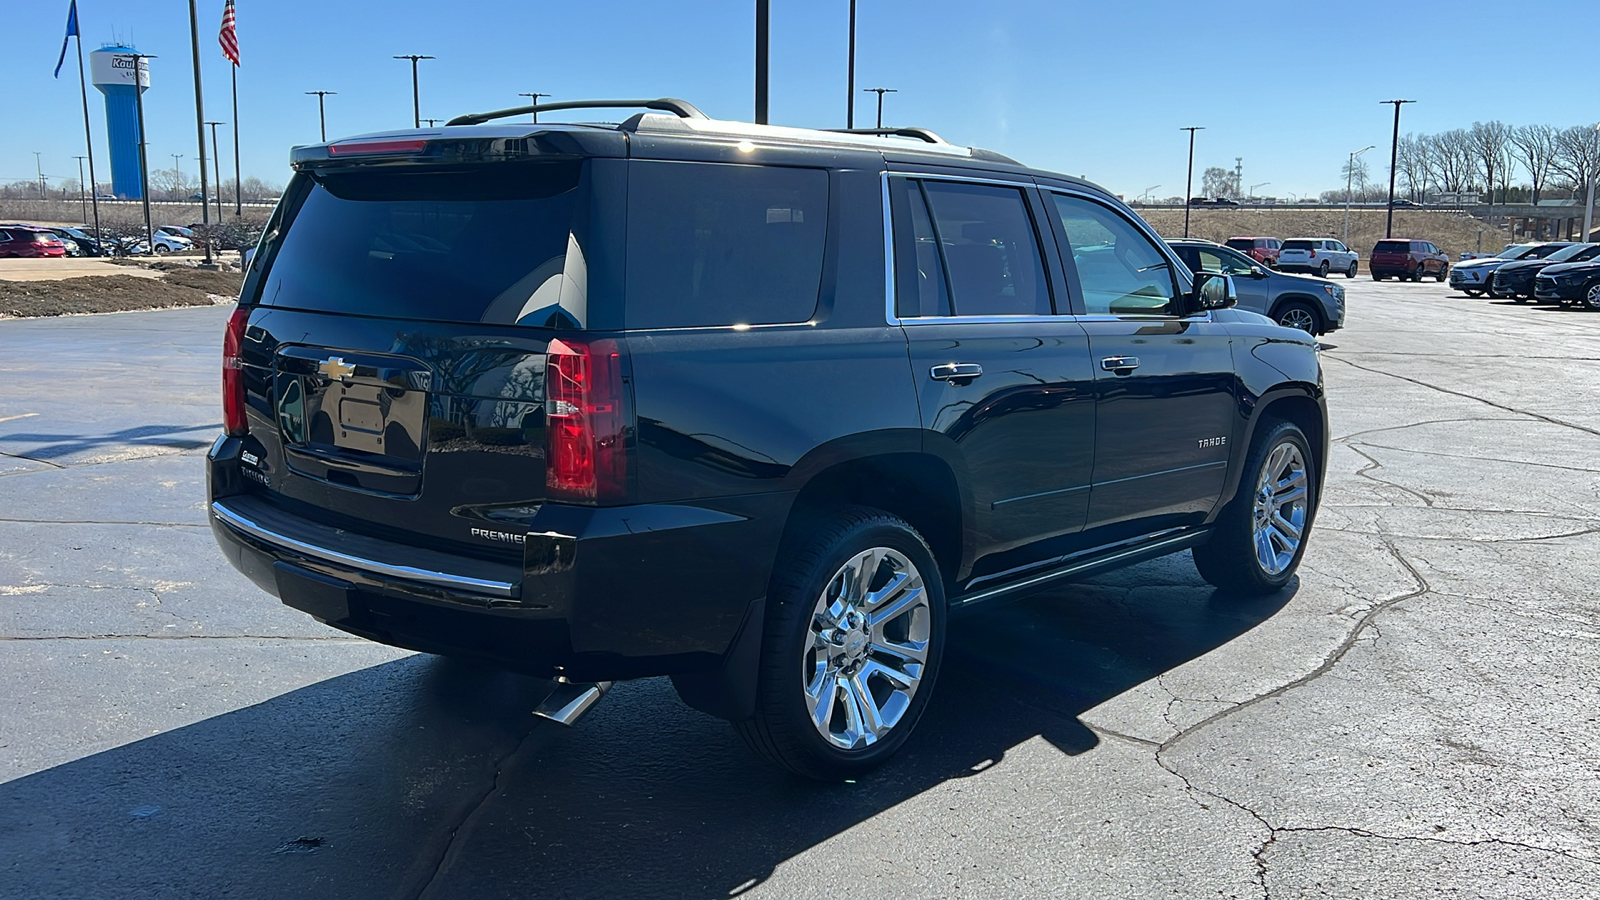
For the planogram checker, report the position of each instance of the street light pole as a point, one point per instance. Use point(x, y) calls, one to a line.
point(322, 113)
point(39, 171)
point(763, 55)
point(416, 97)
point(850, 89)
point(199, 121)
point(1349, 179)
point(1188, 189)
point(880, 92)
point(1148, 191)
point(177, 174)
point(83, 202)
point(1594, 164)
point(139, 70)
point(1254, 186)
point(216, 168)
point(1394, 159)
point(533, 100)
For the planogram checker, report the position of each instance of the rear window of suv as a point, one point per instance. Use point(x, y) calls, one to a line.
point(713, 244)
point(1243, 243)
point(1392, 247)
point(1298, 245)
point(475, 244)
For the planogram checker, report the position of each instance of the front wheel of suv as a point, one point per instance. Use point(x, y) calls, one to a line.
point(1591, 297)
point(1301, 316)
point(853, 639)
point(1258, 540)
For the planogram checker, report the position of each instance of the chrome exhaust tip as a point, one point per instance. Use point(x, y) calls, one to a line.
point(571, 700)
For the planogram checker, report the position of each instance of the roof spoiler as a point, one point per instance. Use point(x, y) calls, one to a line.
point(681, 108)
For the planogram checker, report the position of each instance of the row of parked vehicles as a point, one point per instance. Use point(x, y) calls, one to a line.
point(1402, 258)
point(1566, 273)
point(45, 241)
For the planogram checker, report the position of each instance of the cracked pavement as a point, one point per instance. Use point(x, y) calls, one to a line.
point(1416, 717)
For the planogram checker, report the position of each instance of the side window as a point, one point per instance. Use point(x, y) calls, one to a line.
point(922, 288)
point(977, 251)
point(1120, 271)
point(711, 244)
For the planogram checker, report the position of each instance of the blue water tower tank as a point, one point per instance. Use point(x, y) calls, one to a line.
point(122, 75)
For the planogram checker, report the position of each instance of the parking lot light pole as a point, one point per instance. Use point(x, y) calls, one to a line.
point(1188, 188)
point(763, 57)
point(1254, 186)
point(322, 112)
point(1394, 159)
point(83, 202)
point(533, 100)
point(416, 97)
point(216, 168)
point(1349, 180)
point(1148, 191)
point(880, 92)
point(850, 77)
point(1594, 164)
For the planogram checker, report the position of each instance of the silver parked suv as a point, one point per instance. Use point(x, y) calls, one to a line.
point(1319, 256)
point(1309, 304)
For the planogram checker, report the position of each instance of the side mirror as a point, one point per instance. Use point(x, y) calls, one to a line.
point(1257, 272)
point(1214, 290)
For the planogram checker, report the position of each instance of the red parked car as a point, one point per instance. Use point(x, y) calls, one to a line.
point(1407, 258)
point(28, 241)
point(1263, 250)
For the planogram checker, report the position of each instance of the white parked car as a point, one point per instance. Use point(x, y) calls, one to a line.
point(171, 243)
point(1319, 256)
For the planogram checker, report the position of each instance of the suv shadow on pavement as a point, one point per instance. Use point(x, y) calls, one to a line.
point(426, 776)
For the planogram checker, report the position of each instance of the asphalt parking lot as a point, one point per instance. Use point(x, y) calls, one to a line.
point(1416, 717)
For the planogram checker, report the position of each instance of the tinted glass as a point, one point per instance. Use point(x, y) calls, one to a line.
point(1390, 247)
point(1297, 245)
point(415, 244)
point(1223, 261)
point(928, 295)
point(991, 252)
point(1241, 243)
point(1515, 251)
point(712, 244)
point(1119, 270)
point(1566, 253)
point(1542, 252)
point(1586, 253)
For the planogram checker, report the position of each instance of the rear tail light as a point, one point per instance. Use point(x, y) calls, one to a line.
point(585, 421)
point(1313, 254)
point(376, 148)
point(233, 417)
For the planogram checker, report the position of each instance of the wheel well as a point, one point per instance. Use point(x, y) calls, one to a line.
point(1302, 299)
point(916, 487)
point(1303, 412)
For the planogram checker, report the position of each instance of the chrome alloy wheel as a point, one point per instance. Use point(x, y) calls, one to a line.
point(1298, 318)
point(1592, 297)
point(869, 644)
point(1280, 508)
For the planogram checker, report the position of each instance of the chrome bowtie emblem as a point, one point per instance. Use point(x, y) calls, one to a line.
point(336, 367)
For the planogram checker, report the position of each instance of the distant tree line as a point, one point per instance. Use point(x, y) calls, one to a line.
point(165, 184)
point(1502, 163)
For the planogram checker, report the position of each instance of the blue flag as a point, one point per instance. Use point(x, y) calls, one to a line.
point(72, 31)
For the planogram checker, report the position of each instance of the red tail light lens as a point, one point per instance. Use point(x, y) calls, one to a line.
point(233, 417)
point(585, 421)
point(375, 148)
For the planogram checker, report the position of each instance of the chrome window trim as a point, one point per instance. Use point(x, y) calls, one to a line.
point(889, 288)
point(408, 573)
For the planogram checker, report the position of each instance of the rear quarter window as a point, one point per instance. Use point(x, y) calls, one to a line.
point(713, 244)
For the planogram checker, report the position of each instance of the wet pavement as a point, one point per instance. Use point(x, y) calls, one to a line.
point(1415, 717)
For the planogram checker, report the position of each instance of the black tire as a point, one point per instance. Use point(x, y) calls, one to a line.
point(1377, 277)
point(781, 730)
point(1591, 297)
point(1351, 272)
point(1322, 270)
point(1518, 298)
point(1471, 293)
point(1295, 314)
point(1229, 560)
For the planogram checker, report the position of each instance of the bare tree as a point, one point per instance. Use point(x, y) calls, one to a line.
point(1414, 165)
point(1488, 141)
point(1218, 182)
point(1573, 158)
point(1535, 145)
point(174, 182)
point(1354, 172)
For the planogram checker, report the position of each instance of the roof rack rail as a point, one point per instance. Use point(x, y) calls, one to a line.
point(919, 133)
point(681, 108)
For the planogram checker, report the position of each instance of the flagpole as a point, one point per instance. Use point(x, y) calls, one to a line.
point(88, 140)
point(238, 200)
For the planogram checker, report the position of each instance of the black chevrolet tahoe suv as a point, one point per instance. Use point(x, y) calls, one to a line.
point(756, 408)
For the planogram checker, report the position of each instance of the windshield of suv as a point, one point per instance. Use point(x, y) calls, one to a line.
point(1543, 251)
point(1515, 251)
point(410, 244)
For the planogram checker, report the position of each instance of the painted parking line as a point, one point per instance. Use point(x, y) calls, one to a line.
point(19, 416)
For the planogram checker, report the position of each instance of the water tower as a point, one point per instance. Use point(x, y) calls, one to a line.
point(122, 76)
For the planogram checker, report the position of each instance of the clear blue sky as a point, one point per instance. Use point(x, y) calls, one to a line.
point(1088, 88)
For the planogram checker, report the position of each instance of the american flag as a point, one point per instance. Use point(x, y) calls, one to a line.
point(229, 39)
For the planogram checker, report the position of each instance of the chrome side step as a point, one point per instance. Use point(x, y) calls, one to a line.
point(571, 700)
point(1085, 562)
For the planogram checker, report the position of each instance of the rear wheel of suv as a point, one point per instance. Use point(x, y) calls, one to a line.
point(1377, 277)
point(1351, 272)
point(1258, 541)
point(1442, 274)
point(1322, 270)
point(1299, 315)
point(854, 635)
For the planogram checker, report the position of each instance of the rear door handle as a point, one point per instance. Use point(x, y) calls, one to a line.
point(1120, 363)
point(958, 373)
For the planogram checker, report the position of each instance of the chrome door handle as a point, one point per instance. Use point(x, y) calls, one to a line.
point(959, 373)
point(1120, 363)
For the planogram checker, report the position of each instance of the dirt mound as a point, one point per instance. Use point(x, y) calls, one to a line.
point(111, 293)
